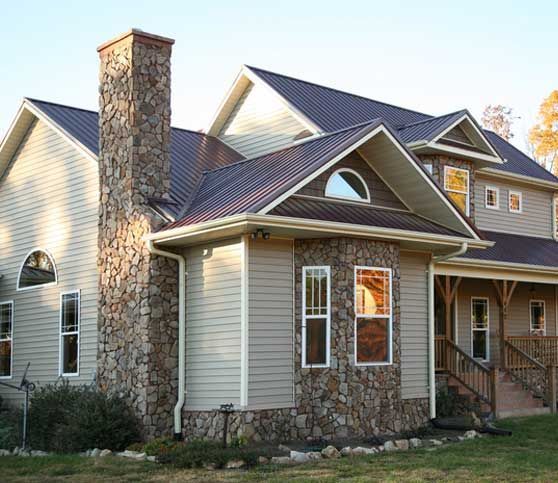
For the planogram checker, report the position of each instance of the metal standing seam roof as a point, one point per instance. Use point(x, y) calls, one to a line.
point(247, 186)
point(517, 249)
point(191, 152)
point(298, 207)
point(428, 129)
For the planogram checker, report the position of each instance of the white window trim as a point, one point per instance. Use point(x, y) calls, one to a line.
point(327, 317)
point(467, 193)
point(497, 191)
point(520, 194)
point(365, 316)
point(35, 287)
point(487, 330)
point(554, 221)
point(61, 336)
point(350, 198)
point(11, 339)
point(531, 314)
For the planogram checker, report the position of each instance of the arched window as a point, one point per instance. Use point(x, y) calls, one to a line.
point(38, 269)
point(347, 185)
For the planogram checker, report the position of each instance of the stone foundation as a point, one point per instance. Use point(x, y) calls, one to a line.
point(344, 400)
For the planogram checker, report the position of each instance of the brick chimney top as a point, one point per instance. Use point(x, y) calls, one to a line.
point(137, 35)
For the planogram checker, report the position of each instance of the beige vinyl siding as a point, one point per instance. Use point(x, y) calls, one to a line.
point(414, 325)
point(213, 312)
point(518, 322)
point(259, 123)
point(49, 199)
point(270, 324)
point(535, 219)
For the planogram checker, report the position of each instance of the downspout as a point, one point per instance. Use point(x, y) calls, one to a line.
point(431, 328)
point(181, 332)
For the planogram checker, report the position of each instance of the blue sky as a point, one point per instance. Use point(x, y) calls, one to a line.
point(429, 55)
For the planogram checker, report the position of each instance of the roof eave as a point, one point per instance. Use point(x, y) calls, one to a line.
point(498, 173)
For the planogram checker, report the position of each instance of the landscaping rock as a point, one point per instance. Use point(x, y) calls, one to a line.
point(460, 438)
point(299, 457)
point(133, 455)
point(262, 460)
point(390, 446)
point(24, 454)
point(105, 453)
point(364, 451)
point(235, 464)
point(5, 452)
point(284, 448)
point(415, 443)
point(472, 434)
point(281, 460)
point(346, 451)
point(210, 466)
point(39, 453)
point(314, 455)
point(95, 453)
point(402, 444)
point(436, 442)
point(331, 452)
point(152, 459)
point(477, 423)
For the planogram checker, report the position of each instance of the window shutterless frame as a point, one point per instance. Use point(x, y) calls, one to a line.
point(496, 192)
point(519, 195)
point(328, 193)
point(374, 316)
point(486, 329)
point(448, 169)
point(542, 304)
point(306, 317)
point(64, 333)
point(41, 285)
point(9, 338)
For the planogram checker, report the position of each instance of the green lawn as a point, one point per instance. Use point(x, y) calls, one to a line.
point(530, 454)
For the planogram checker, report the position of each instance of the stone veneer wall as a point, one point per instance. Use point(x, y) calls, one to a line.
point(343, 400)
point(138, 302)
point(438, 162)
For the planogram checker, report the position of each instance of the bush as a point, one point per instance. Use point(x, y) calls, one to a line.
point(10, 426)
point(160, 446)
point(447, 403)
point(199, 453)
point(66, 419)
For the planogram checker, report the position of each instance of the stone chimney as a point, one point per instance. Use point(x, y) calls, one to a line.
point(138, 302)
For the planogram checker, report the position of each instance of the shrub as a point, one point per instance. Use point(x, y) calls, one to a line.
point(161, 446)
point(199, 453)
point(66, 418)
point(10, 426)
point(446, 403)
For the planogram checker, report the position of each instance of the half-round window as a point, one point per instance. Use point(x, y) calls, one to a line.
point(347, 185)
point(37, 269)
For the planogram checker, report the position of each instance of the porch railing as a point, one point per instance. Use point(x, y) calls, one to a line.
point(542, 348)
point(476, 377)
point(440, 352)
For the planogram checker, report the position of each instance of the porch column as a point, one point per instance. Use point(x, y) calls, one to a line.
point(504, 292)
point(447, 291)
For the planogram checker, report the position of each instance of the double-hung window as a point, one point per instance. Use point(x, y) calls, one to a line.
point(515, 202)
point(316, 317)
point(69, 333)
point(492, 198)
point(537, 315)
point(373, 316)
point(6, 338)
point(456, 184)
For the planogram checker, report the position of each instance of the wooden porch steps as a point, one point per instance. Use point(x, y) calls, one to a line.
point(512, 401)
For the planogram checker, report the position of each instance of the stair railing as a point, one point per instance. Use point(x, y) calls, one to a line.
point(531, 374)
point(475, 376)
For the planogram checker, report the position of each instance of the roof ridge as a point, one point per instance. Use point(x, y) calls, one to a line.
point(337, 90)
point(309, 140)
point(411, 124)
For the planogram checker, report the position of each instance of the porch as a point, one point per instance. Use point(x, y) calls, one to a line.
point(497, 340)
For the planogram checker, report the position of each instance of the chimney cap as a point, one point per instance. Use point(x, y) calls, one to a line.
point(138, 35)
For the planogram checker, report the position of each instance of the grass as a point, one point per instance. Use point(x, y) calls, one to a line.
point(528, 455)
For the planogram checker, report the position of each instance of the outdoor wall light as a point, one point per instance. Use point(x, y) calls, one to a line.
point(260, 233)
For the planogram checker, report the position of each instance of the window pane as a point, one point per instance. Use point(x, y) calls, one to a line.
point(479, 344)
point(457, 179)
point(38, 269)
point(309, 291)
point(515, 202)
point(316, 280)
point(491, 197)
point(5, 321)
point(316, 333)
point(372, 292)
point(460, 200)
point(5, 358)
point(537, 316)
point(346, 184)
point(70, 313)
point(372, 340)
point(479, 313)
point(70, 354)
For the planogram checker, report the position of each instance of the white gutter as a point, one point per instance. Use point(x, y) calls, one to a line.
point(181, 332)
point(431, 329)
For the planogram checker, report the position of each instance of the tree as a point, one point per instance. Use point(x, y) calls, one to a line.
point(499, 119)
point(544, 134)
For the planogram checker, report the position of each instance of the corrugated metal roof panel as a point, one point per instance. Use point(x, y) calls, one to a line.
point(249, 185)
point(298, 207)
point(332, 109)
point(518, 249)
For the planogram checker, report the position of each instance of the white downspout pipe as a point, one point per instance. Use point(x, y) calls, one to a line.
point(181, 332)
point(431, 328)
